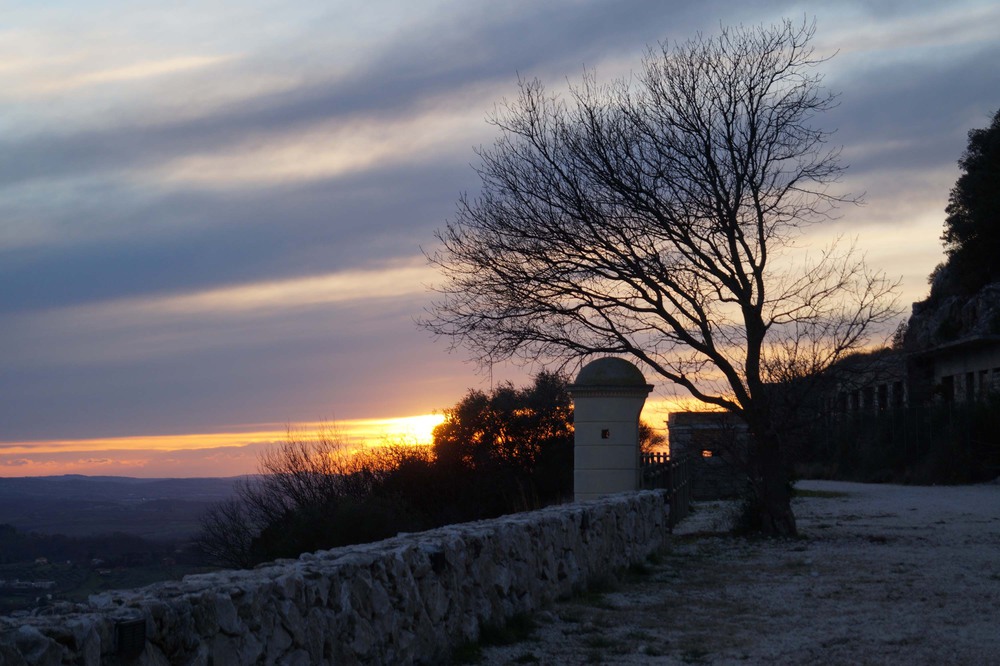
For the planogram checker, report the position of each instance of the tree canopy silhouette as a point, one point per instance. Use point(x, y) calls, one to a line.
point(499, 452)
point(972, 228)
point(657, 217)
point(508, 426)
point(514, 444)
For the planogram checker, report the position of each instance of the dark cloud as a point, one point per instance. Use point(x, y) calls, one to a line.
point(192, 240)
point(146, 241)
point(443, 57)
point(916, 114)
point(310, 364)
point(110, 232)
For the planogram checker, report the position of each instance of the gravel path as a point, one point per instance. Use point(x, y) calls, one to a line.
point(882, 575)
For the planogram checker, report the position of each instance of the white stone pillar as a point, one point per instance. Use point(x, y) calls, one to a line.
point(608, 396)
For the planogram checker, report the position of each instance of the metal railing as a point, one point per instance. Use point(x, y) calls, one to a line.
point(659, 470)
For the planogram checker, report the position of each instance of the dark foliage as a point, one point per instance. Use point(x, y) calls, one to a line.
point(972, 228)
point(514, 445)
point(343, 521)
point(497, 452)
point(313, 494)
point(507, 450)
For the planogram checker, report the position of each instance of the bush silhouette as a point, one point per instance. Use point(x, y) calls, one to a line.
point(499, 452)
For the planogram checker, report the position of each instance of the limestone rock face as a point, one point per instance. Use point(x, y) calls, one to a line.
point(400, 601)
point(950, 319)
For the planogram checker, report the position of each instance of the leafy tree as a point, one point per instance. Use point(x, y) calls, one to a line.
point(657, 217)
point(521, 436)
point(972, 228)
point(507, 426)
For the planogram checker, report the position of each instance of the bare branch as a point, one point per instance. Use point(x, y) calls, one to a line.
point(657, 218)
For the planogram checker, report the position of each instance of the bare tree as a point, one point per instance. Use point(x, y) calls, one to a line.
point(307, 475)
point(308, 470)
point(657, 217)
point(227, 533)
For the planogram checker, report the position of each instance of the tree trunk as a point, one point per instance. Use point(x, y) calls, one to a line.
point(768, 508)
point(773, 498)
point(769, 505)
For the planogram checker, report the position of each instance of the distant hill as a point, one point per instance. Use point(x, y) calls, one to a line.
point(88, 505)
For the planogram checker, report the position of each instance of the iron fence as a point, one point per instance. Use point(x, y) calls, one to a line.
point(659, 470)
point(937, 443)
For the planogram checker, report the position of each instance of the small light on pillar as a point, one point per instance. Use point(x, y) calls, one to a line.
point(605, 434)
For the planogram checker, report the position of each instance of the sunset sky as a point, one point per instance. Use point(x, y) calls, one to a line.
point(211, 213)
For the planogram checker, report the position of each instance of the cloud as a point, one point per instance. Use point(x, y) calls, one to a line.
point(322, 151)
point(213, 214)
point(226, 453)
point(337, 363)
point(235, 316)
point(883, 31)
point(435, 56)
point(86, 205)
point(137, 71)
point(188, 241)
point(273, 297)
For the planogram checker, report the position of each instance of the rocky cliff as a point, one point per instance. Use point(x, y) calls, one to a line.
point(947, 319)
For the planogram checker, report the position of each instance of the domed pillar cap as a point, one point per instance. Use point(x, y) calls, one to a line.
point(610, 374)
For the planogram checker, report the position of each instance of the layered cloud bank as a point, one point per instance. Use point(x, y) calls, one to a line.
point(213, 215)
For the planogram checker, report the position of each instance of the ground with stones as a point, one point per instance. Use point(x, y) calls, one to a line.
point(881, 574)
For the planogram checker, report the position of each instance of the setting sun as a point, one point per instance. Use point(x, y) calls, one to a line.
point(230, 453)
point(406, 429)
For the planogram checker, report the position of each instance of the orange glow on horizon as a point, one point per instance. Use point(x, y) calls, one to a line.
point(235, 451)
point(230, 453)
point(657, 410)
point(408, 429)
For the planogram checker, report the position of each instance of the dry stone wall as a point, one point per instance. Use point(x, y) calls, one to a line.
point(409, 599)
